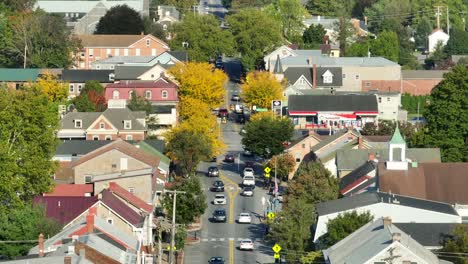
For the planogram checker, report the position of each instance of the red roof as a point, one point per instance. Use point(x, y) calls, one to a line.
point(129, 197)
point(65, 209)
point(123, 210)
point(71, 190)
point(159, 83)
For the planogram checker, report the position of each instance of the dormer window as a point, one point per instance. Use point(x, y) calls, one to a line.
point(127, 124)
point(78, 123)
point(111, 76)
point(327, 77)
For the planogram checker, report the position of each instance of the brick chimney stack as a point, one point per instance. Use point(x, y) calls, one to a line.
point(360, 143)
point(387, 221)
point(41, 245)
point(90, 220)
point(371, 157)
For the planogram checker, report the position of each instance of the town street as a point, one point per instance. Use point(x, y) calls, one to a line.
point(222, 239)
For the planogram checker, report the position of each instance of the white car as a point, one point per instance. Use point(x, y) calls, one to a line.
point(219, 199)
point(244, 218)
point(247, 191)
point(246, 244)
point(248, 180)
point(248, 172)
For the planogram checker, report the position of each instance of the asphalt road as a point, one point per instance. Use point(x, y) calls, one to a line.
point(222, 239)
point(214, 7)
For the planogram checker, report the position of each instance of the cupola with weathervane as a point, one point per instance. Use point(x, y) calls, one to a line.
point(397, 152)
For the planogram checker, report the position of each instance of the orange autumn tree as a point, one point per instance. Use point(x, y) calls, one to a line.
point(260, 88)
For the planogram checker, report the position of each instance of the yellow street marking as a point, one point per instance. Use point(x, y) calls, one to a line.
point(231, 252)
point(224, 178)
point(231, 210)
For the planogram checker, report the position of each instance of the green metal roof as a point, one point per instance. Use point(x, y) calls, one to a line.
point(18, 75)
point(148, 148)
point(397, 138)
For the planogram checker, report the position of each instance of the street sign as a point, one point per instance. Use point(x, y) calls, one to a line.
point(276, 103)
point(276, 248)
point(267, 170)
point(271, 215)
point(267, 175)
point(169, 248)
point(276, 255)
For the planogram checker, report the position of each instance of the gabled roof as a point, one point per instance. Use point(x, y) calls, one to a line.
point(63, 208)
point(159, 83)
point(129, 197)
point(123, 147)
point(339, 103)
point(369, 198)
point(181, 56)
point(122, 41)
point(115, 115)
point(126, 59)
point(292, 74)
point(356, 177)
point(123, 210)
point(71, 190)
point(18, 75)
point(303, 61)
point(370, 240)
point(124, 72)
point(278, 67)
point(327, 140)
point(87, 118)
point(337, 79)
point(87, 75)
point(423, 74)
point(79, 147)
point(428, 234)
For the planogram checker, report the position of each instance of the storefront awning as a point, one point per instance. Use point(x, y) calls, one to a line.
point(366, 113)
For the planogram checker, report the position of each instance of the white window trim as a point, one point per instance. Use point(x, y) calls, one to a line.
point(72, 88)
point(102, 125)
point(129, 137)
point(327, 79)
point(148, 41)
point(127, 124)
point(148, 92)
point(80, 122)
point(164, 94)
point(125, 52)
point(95, 137)
point(108, 137)
point(131, 190)
point(80, 86)
point(115, 94)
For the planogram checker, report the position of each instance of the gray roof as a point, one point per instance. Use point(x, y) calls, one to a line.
point(79, 147)
point(278, 67)
point(171, 9)
point(341, 61)
point(124, 72)
point(325, 103)
point(329, 139)
point(87, 75)
point(325, 22)
point(368, 198)
point(335, 71)
point(356, 174)
point(109, 249)
point(115, 115)
point(309, 53)
point(292, 74)
point(116, 233)
point(179, 55)
point(423, 74)
point(353, 158)
point(56, 259)
point(163, 109)
point(428, 234)
point(370, 240)
point(159, 145)
point(126, 59)
point(84, 6)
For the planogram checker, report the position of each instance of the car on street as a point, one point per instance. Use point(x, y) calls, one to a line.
point(247, 153)
point(219, 215)
point(249, 164)
point(213, 171)
point(223, 112)
point(248, 180)
point(216, 260)
point(218, 186)
point(246, 244)
point(240, 119)
point(247, 191)
point(229, 158)
point(235, 97)
point(244, 218)
point(219, 199)
point(248, 172)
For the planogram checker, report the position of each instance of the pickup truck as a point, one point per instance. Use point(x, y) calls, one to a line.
point(248, 180)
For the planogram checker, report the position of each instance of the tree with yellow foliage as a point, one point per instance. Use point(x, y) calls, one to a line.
point(189, 107)
point(260, 88)
point(200, 81)
point(55, 90)
point(261, 115)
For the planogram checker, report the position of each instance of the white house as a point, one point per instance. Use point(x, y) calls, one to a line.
point(436, 36)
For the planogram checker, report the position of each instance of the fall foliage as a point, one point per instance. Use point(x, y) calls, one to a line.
point(200, 81)
point(284, 165)
point(260, 88)
point(55, 90)
point(190, 107)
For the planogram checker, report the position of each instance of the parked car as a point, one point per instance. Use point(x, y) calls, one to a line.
point(235, 97)
point(216, 260)
point(248, 181)
point(246, 244)
point(247, 191)
point(229, 158)
point(219, 215)
point(244, 218)
point(223, 112)
point(247, 153)
point(240, 119)
point(218, 186)
point(219, 199)
point(248, 172)
point(213, 172)
point(249, 164)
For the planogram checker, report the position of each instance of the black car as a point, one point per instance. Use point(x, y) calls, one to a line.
point(219, 215)
point(229, 158)
point(218, 186)
point(216, 260)
point(213, 172)
point(240, 119)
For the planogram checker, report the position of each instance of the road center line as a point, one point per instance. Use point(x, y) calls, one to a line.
point(231, 252)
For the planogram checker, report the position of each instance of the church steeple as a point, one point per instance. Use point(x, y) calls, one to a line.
point(278, 70)
point(397, 152)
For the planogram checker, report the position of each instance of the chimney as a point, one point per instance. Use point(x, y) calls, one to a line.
point(371, 157)
point(41, 245)
point(360, 143)
point(396, 237)
point(387, 221)
point(365, 20)
point(90, 220)
point(67, 260)
point(314, 76)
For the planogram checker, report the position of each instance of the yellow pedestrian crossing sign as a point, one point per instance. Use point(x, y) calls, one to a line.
point(271, 215)
point(276, 248)
point(267, 170)
point(276, 255)
point(169, 248)
point(267, 175)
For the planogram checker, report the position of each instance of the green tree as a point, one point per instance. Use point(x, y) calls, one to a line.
point(154, 29)
point(360, 48)
point(323, 7)
point(457, 43)
point(423, 29)
point(313, 257)
point(266, 136)
point(140, 103)
point(255, 34)
point(386, 45)
point(188, 148)
point(458, 244)
point(6, 38)
point(28, 122)
point(313, 36)
point(313, 183)
point(191, 204)
point(91, 98)
point(283, 164)
point(447, 116)
point(344, 30)
point(384, 14)
point(437, 57)
point(19, 5)
point(120, 20)
point(343, 225)
point(24, 223)
point(414, 103)
point(290, 14)
point(202, 37)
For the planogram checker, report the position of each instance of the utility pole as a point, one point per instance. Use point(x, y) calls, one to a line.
point(25, 54)
point(438, 16)
point(171, 254)
point(448, 22)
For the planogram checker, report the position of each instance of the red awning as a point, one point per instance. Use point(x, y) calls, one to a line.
point(366, 113)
